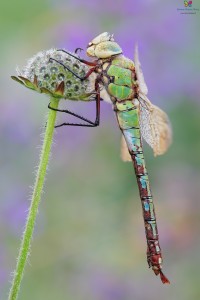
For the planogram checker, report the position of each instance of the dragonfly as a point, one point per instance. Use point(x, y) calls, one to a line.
point(120, 80)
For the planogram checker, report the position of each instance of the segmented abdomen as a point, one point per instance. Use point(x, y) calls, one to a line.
point(128, 119)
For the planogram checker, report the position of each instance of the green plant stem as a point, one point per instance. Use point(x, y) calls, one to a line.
point(30, 223)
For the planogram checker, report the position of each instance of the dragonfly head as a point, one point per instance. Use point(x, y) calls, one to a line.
point(103, 46)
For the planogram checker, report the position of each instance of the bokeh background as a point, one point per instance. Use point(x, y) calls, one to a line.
point(89, 241)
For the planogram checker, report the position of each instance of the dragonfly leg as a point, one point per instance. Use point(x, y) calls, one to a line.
point(90, 123)
point(78, 49)
point(98, 100)
point(88, 63)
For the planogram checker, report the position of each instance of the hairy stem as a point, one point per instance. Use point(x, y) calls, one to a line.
point(30, 223)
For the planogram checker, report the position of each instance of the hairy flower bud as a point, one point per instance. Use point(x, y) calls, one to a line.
point(45, 75)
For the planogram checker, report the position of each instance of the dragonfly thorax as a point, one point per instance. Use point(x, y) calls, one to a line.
point(117, 75)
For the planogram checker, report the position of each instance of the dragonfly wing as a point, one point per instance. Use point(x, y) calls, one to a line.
point(155, 126)
point(125, 155)
point(104, 95)
point(140, 77)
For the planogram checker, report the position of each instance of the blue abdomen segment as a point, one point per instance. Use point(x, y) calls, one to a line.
point(128, 119)
point(132, 137)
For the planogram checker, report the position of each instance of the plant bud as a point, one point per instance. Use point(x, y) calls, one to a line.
point(45, 75)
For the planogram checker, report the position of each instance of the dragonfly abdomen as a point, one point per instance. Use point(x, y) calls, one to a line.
point(128, 119)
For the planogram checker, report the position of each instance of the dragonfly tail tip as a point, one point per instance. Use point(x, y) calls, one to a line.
point(163, 278)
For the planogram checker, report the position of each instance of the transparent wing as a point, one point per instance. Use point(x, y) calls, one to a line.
point(140, 77)
point(104, 95)
point(155, 126)
point(125, 155)
point(154, 123)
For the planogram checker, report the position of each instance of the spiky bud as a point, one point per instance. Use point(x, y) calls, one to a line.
point(45, 75)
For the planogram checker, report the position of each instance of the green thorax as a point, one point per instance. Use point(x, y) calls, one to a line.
point(121, 73)
point(124, 62)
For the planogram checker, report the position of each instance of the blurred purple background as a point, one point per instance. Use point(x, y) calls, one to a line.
point(89, 240)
